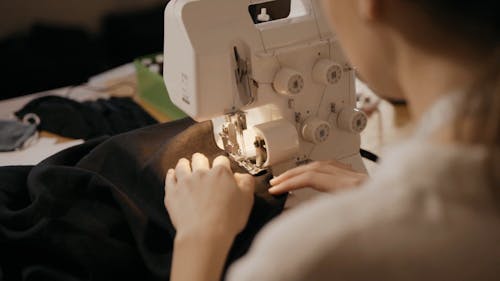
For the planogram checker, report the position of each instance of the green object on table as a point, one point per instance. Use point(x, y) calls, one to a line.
point(152, 90)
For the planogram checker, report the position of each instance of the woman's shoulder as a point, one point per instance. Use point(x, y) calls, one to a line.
point(422, 167)
point(289, 247)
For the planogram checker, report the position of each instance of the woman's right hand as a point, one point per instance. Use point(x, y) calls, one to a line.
point(325, 176)
point(204, 200)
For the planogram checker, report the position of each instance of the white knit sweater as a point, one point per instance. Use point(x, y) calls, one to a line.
point(428, 214)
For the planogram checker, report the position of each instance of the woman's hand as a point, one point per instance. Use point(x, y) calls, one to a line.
point(208, 208)
point(325, 176)
point(200, 199)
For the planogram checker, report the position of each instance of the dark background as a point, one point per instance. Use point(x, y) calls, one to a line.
point(49, 53)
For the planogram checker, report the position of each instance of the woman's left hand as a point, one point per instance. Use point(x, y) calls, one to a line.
point(325, 176)
point(200, 199)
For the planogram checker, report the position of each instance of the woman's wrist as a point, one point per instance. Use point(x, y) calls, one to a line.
point(200, 255)
point(205, 235)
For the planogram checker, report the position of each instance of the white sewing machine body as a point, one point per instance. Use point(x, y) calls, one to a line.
point(280, 93)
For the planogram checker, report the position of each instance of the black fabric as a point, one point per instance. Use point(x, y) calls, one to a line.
point(87, 120)
point(95, 211)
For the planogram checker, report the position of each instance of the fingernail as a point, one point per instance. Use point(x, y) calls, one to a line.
point(273, 181)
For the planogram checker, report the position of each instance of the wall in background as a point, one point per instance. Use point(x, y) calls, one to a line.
point(19, 15)
point(47, 44)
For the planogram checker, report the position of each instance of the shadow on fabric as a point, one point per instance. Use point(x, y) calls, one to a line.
point(95, 211)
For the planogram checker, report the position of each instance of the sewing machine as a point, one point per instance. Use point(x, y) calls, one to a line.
point(280, 93)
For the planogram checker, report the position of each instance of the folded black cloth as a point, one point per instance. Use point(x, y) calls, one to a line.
point(95, 211)
point(87, 120)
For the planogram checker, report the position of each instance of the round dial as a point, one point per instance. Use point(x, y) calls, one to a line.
point(327, 72)
point(288, 82)
point(352, 120)
point(315, 130)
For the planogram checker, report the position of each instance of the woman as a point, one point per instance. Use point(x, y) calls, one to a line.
point(432, 212)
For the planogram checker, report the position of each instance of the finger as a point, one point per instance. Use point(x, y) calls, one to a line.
point(183, 169)
point(330, 168)
point(245, 182)
point(199, 162)
point(303, 180)
point(222, 161)
point(170, 182)
point(170, 179)
point(340, 165)
point(294, 172)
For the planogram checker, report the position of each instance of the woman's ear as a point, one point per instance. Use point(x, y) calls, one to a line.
point(369, 10)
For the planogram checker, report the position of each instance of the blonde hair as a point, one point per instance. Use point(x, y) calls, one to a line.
point(480, 111)
point(476, 24)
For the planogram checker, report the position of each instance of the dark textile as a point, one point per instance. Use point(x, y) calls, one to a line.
point(95, 211)
point(87, 120)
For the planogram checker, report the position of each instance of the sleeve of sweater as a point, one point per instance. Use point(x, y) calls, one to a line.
point(294, 246)
point(415, 220)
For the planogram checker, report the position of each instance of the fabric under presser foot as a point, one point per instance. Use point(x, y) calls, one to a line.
point(96, 211)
